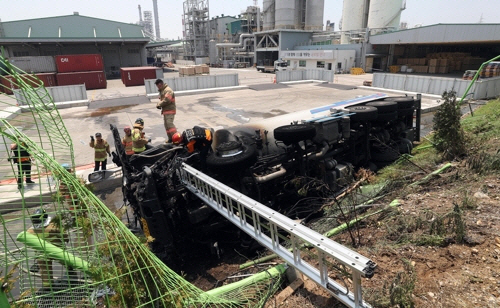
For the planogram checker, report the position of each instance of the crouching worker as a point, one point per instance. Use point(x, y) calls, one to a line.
point(197, 138)
point(48, 230)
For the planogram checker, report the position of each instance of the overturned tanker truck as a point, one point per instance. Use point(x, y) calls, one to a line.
point(261, 160)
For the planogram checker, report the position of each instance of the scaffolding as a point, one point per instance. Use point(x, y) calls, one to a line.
point(196, 29)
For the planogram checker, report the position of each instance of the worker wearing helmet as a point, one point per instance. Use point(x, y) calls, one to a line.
point(167, 106)
point(48, 230)
point(138, 140)
point(195, 139)
point(101, 147)
point(127, 141)
point(22, 158)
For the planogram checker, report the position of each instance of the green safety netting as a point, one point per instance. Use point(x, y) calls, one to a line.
point(62, 247)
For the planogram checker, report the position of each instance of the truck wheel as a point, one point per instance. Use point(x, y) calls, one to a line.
point(403, 102)
point(231, 154)
point(363, 113)
point(384, 106)
point(384, 117)
point(405, 112)
point(294, 133)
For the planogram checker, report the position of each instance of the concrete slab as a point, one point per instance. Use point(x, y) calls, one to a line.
point(304, 81)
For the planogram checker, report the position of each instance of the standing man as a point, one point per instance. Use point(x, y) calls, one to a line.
point(167, 106)
point(127, 142)
point(101, 147)
point(138, 140)
point(22, 158)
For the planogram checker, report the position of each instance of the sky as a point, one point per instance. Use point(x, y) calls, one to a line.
point(424, 12)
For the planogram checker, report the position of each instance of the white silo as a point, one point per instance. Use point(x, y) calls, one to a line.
point(354, 17)
point(268, 11)
point(315, 10)
point(384, 14)
point(285, 14)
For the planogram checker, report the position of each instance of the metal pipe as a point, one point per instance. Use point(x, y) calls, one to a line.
point(240, 44)
point(319, 154)
point(272, 176)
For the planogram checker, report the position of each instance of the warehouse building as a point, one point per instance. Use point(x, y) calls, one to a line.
point(436, 49)
point(120, 44)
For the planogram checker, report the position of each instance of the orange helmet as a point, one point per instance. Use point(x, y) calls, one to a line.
point(176, 138)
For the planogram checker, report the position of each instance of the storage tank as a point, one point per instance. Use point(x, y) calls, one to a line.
point(212, 51)
point(384, 13)
point(268, 12)
point(314, 14)
point(284, 17)
point(353, 17)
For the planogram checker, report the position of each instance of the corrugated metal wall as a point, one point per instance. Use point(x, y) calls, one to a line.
point(194, 83)
point(486, 88)
point(59, 94)
point(296, 75)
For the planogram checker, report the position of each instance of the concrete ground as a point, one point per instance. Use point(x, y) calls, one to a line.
point(121, 105)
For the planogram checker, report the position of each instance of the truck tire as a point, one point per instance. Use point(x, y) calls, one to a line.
point(363, 113)
point(294, 133)
point(405, 112)
point(216, 161)
point(384, 106)
point(403, 102)
point(384, 117)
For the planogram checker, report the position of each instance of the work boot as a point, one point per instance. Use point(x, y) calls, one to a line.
point(19, 186)
point(29, 181)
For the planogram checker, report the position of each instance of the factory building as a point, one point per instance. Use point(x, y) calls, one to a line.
point(120, 44)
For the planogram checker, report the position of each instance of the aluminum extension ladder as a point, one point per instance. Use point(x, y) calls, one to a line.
point(266, 226)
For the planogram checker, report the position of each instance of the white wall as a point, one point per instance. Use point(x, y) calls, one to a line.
point(346, 57)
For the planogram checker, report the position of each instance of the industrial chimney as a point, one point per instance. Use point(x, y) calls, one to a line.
point(157, 19)
point(140, 13)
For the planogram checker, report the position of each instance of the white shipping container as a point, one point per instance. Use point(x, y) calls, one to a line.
point(41, 64)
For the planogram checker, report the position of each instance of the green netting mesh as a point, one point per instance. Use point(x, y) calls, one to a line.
point(62, 247)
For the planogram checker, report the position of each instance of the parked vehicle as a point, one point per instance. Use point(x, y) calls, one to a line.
point(279, 65)
point(266, 161)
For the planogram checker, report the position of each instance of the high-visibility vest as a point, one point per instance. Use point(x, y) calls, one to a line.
point(138, 142)
point(197, 136)
point(100, 149)
point(128, 144)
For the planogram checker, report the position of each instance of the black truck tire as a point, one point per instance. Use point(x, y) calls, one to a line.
point(363, 113)
point(384, 106)
point(405, 112)
point(294, 133)
point(215, 161)
point(403, 102)
point(384, 117)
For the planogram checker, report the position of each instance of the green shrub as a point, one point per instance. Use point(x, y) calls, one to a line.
point(449, 136)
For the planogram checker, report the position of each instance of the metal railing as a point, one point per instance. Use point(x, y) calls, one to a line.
point(267, 227)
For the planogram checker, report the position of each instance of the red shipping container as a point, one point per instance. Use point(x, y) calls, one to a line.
point(92, 80)
point(79, 63)
point(48, 79)
point(134, 76)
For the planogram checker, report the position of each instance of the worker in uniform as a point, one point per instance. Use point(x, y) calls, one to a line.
point(127, 142)
point(197, 138)
point(101, 147)
point(138, 140)
point(22, 158)
point(167, 106)
point(47, 230)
